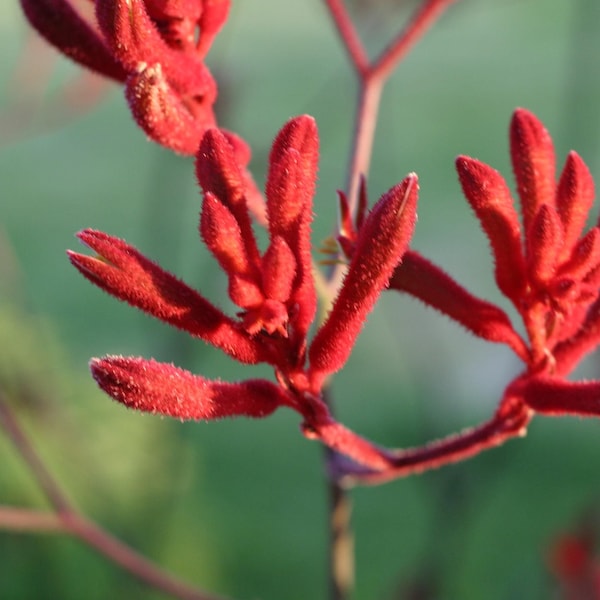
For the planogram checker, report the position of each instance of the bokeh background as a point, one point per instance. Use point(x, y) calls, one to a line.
point(239, 507)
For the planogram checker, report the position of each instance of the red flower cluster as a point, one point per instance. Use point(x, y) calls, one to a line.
point(156, 48)
point(274, 291)
point(550, 273)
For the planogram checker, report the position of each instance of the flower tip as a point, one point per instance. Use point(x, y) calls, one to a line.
point(88, 237)
point(305, 121)
point(211, 136)
point(522, 117)
point(524, 124)
point(300, 133)
point(406, 192)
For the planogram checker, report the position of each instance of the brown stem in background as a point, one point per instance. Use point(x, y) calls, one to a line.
point(372, 76)
point(68, 520)
point(341, 538)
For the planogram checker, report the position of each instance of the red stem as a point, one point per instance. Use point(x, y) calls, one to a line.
point(377, 465)
point(348, 35)
point(422, 20)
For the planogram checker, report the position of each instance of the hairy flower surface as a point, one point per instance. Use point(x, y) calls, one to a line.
point(544, 264)
point(274, 291)
point(156, 48)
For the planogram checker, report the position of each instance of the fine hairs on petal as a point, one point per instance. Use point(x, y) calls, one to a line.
point(151, 386)
point(381, 242)
point(128, 275)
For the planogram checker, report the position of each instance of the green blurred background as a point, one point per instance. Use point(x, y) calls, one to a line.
point(239, 507)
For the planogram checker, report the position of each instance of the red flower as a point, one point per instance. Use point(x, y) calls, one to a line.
point(274, 291)
point(156, 48)
point(545, 266)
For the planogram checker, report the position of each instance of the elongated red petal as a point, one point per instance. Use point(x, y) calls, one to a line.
point(221, 233)
point(544, 244)
point(533, 161)
point(574, 198)
point(125, 273)
point(585, 256)
point(129, 30)
point(491, 200)
point(555, 397)
point(177, 21)
point(162, 113)
point(65, 29)
point(425, 281)
point(381, 243)
point(290, 189)
point(164, 389)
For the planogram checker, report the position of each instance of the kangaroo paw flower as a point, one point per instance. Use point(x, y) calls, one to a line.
point(159, 388)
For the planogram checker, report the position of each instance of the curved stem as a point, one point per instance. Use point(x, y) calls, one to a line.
point(68, 520)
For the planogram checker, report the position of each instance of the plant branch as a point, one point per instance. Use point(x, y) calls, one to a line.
point(26, 520)
point(341, 539)
point(68, 520)
point(348, 35)
point(422, 20)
